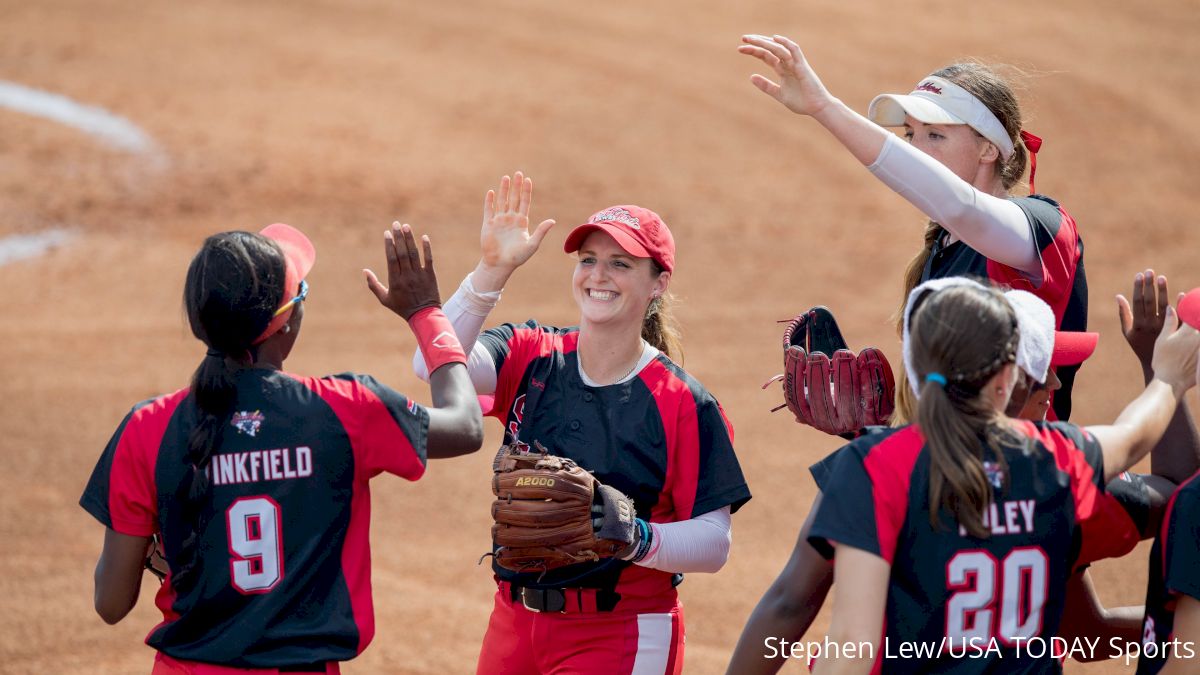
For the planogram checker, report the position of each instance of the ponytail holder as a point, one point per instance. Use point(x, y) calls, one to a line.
point(936, 377)
point(1033, 144)
point(215, 352)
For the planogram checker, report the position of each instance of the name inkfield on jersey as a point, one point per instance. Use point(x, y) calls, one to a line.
point(256, 465)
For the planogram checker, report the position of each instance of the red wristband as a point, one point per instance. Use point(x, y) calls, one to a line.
point(436, 339)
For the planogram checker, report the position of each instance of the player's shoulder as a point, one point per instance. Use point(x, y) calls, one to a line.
point(667, 378)
point(1045, 211)
point(347, 385)
point(531, 327)
point(1051, 433)
point(151, 408)
point(1187, 497)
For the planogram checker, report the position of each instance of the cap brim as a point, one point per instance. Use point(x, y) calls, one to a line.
point(623, 238)
point(299, 256)
point(1189, 308)
point(888, 110)
point(1072, 349)
point(299, 251)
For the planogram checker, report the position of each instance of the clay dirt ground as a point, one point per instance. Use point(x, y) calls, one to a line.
point(338, 117)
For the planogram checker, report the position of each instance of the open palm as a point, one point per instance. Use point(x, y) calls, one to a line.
point(505, 239)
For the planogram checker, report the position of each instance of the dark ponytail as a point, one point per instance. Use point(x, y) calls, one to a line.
point(234, 285)
point(965, 335)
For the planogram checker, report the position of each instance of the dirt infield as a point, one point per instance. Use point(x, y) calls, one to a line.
point(339, 117)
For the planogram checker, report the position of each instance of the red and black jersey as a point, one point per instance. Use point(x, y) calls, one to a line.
point(1064, 282)
point(659, 437)
point(1174, 572)
point(1114, 527)
point(969, 602)
point(284, 558)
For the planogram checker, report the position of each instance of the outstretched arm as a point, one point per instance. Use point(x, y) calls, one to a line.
point(995, 227)
point(788, 607)
point(455, 423)
point(1177, 456)
point(1142, 423)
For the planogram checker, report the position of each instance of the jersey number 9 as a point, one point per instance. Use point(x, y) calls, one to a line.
point(255, 544)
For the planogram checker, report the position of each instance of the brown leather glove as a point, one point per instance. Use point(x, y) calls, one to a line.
point(550, 513)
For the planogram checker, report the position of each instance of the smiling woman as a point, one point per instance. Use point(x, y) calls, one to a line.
point(608, 395)
point(966, 151)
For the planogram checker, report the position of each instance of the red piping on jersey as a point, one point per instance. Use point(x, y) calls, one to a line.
point(677, 409)
point(520, 355)
point(890, 467)
point(135, 462)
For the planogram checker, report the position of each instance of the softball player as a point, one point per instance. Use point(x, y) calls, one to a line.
point(1171, 627)
point(256, 479)
point(608, 395)
point(956, 535)
point(966, 151)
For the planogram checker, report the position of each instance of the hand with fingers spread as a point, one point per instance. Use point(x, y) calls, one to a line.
point(411, 286)
point(505, 239)
point(1142, 317)
point(798, 88)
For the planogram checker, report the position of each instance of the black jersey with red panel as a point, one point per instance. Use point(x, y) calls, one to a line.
point(659, 437)
point(1114, 527)
point(970, 603)
point(1064, 282)
point(1174, 572)
point(284, 555)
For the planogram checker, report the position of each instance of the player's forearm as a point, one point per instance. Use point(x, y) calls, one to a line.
point(700, 544)
point(467, 309)
point(862, 137)
point(1137, 428)
point(455, 424)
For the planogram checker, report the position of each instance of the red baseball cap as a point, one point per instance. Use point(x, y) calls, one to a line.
point(1072, 349)
point(299, 256)
point(1189, 308)
point(640, 232)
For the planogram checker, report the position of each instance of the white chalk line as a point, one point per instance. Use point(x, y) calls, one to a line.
point(22, 246)
point(109, 128)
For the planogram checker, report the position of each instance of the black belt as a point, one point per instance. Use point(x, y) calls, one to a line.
point(564, 600)
point(314, 667)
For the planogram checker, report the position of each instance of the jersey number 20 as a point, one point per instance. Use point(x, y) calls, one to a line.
point(255, 544)
point(1012, 590)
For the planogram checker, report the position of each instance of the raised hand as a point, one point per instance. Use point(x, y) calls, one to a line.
point(798, 88)
point(1142, 319)
point(505, 239)
point(411, 287)
point(1175, 358)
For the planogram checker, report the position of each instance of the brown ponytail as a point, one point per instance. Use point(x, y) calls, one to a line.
point(965, 335)
point(659, 328)
point(906, 404)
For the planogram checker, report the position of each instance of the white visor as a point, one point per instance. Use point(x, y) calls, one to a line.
point(1035, 321)
point(940, 101)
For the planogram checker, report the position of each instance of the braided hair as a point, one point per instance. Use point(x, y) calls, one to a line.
point(234, 285)
point(963, 335)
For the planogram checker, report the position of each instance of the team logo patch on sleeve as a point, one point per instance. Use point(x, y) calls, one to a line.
point(247, 422)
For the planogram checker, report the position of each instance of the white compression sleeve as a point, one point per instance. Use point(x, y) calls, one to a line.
point(995, 227)
point(467, 309)
point(697, 545)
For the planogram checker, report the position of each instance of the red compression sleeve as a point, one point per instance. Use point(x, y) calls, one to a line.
point(436, 339)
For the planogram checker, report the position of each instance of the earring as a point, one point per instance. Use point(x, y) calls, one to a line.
point(286, 328)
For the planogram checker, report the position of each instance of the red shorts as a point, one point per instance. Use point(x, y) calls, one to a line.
point(580, 640)
point(165, 665)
